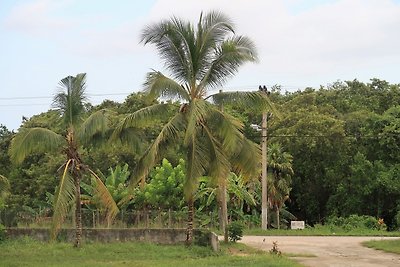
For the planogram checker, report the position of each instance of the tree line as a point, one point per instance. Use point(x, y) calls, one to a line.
point(332, 151)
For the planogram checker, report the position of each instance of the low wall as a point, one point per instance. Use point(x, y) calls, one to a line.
point(159, 236)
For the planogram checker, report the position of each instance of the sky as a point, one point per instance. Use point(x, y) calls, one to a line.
point(300, 43)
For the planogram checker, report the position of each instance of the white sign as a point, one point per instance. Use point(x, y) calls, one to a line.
point(297, 225)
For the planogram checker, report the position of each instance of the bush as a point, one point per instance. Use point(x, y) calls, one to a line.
point(357, 222)
point(235, 231)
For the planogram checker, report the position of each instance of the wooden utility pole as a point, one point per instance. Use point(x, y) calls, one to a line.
point(264, 185)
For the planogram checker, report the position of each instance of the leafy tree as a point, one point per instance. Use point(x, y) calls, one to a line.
point(70, 103)
point(165, 187)
point(5, 137)
point(316, 140)
point(199, 59)
point(355, 189)
point(390, 134)
point(280, 178)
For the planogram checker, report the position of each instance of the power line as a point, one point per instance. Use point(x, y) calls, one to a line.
point(246, 87)
point(330, 136)
point(51, 97)
point(25, 97)
point(24, 105)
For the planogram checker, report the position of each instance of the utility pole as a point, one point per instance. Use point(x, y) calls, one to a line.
point(264, 186)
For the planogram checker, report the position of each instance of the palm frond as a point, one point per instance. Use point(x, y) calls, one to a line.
point(127, 131)
point(34, 140)
point(196, 112)
point(96, 123)
point(246, 159)
point(212, 29)
point(141, 118)
point(131, 137)
point(257, 101)
point(4, 185)
point(167, 136)
point(104, 196)
point(229, 56)
point(170, 38)
point(198, 162)
point(219, 166)
point(71, 98)
point(63, 200)
point(225, 127)
point(158, 85)
point(279, 161)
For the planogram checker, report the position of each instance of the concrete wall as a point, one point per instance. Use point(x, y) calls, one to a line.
point(160, 236)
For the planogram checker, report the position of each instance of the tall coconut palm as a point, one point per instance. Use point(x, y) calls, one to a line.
point(199, 58)
point(70, 102)
point(280, 173)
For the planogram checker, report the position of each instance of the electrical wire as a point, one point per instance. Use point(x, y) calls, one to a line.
point(245, 87)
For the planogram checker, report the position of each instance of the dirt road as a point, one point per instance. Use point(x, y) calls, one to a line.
point(329, 251)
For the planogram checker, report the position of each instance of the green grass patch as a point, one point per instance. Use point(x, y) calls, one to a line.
point(321, 231)
point(27, 252)
point(385, 245)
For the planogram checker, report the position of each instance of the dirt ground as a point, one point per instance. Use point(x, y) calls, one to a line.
point(327, 250)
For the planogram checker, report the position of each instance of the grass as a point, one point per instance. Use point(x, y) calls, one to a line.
point(27, 252)
point(384, 245)
point(321, 231)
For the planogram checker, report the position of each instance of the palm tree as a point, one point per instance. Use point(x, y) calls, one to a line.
point(199, 58)
point(280, 173)
point(70, 102)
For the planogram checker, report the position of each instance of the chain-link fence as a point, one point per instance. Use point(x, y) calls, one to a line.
point(97, 219)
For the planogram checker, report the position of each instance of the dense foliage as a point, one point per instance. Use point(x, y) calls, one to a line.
point(343, 139)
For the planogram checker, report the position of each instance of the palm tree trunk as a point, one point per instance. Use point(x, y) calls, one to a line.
point(78, 212)
point(224, 205)
point(278, 223)
point(189, 230)
point(224, 211)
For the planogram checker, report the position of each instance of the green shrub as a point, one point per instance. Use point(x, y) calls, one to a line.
point(235, 231)
point(357, 222)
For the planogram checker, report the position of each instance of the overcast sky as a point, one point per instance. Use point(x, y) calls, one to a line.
point(301, 43)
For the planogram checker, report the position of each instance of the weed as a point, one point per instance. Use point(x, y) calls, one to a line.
point(235, 231)
point(275, 250)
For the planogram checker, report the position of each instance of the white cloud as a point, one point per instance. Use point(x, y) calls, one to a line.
point(323, 42)
point(326, 40)
point(117, 41)
point(37, 18)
